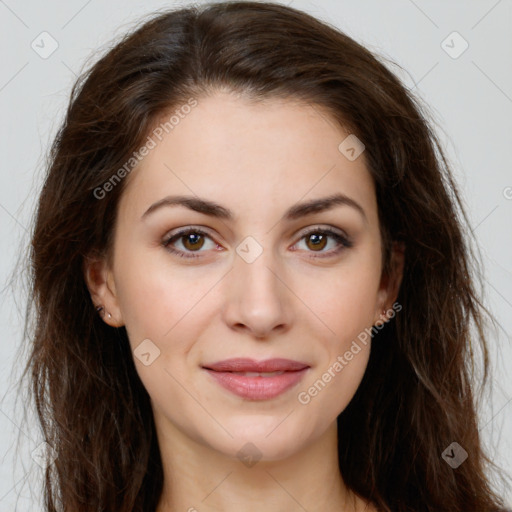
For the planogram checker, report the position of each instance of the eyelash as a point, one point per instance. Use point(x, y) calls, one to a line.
point(344, 242)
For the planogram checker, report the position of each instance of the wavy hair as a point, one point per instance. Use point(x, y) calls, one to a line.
point(418, 393)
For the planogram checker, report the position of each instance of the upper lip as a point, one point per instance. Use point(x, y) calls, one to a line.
point(250, 365)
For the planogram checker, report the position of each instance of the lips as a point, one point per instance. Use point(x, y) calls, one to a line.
point(250, 365)
point(257, 380)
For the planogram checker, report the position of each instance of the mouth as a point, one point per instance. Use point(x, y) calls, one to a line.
point(257, 380)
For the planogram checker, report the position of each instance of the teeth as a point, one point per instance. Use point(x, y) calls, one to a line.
point(258, 374)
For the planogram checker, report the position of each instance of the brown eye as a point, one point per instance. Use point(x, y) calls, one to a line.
point(192, 241)
point(318, 241)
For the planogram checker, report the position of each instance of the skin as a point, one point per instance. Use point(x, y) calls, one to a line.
point(257, 160)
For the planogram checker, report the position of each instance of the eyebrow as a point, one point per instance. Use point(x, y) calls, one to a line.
point(294, 212)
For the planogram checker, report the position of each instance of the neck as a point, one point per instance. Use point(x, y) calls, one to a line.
point(198, 478)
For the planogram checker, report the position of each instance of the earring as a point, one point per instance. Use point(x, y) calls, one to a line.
point(101, 311)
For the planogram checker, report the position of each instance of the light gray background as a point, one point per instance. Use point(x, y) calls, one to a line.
point(470, 98)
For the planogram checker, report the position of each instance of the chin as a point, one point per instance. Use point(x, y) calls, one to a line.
point(267, 438)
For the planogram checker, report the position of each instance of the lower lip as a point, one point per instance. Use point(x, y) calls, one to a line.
point(257, 388)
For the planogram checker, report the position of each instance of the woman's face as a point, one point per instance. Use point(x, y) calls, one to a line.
point(270, 272)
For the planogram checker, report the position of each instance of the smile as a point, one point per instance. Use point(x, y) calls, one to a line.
point(254, 380)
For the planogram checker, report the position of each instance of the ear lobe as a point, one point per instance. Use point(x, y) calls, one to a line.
point(100, 283)
point(391, 281)
point(397, 270)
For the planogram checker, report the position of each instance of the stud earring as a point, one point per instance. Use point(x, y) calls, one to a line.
point(101, 311)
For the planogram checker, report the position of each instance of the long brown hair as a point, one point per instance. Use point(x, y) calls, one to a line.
point(418, 393)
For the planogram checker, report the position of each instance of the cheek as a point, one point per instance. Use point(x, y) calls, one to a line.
point(333, 386)
point(346, 300)
point(347, 308)
point(157, 301)
point(346, 382)
point(161, 310)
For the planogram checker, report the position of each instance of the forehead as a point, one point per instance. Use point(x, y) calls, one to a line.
point(241, 153)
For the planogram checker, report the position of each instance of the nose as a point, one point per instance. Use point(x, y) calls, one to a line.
point(257, 298)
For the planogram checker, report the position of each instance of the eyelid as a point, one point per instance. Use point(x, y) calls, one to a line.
point(324, 228)
point(180, 233)
point(342, 239)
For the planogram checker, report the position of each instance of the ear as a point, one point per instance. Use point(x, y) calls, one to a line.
point(390, 283)
point(100, 282)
